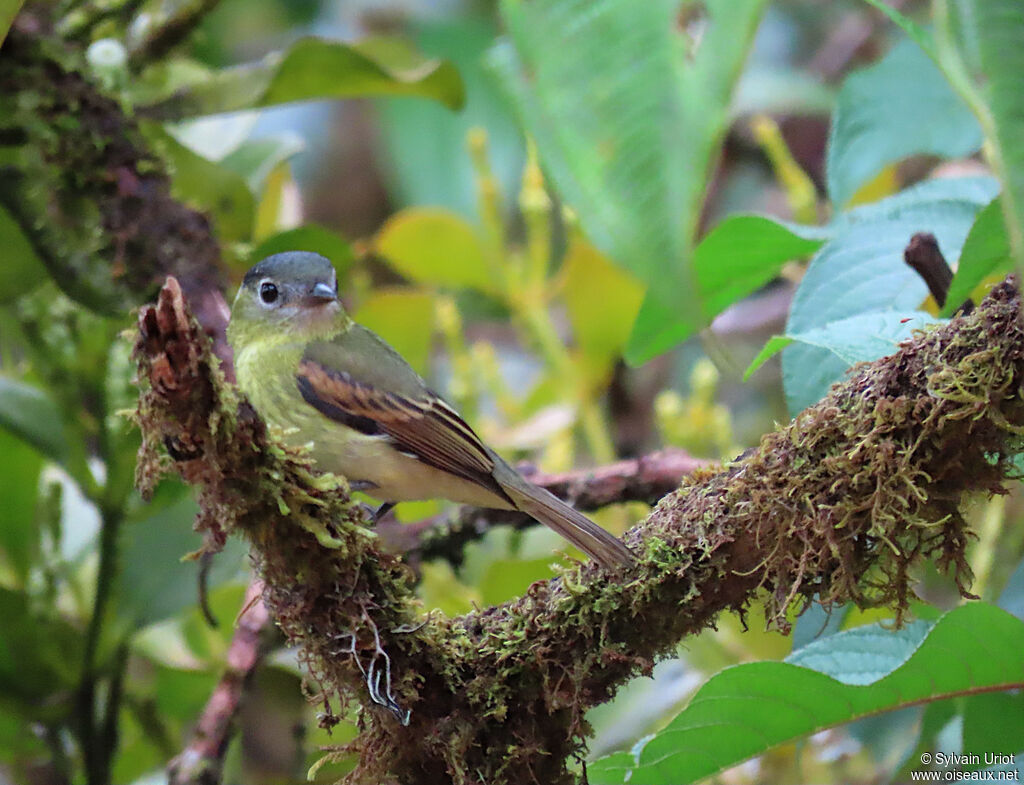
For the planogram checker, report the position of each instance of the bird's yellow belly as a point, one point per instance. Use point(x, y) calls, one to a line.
point(340, 450)
point(397, 477)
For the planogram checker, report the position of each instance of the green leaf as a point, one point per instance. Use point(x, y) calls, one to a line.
point(998, 31)
point(602, 301)
point(308, 237)
point(899, 107)
point(256, 158)
point(436, 247)
point(744, 252)
point(157, 582)
point(914, 31)
point(860, 338)
point(32, 416)
point(986, 251)
point(8, 10)
point(19, 534)
point(403, 318)
point(206, 185)
point(861, 269)
point(748, 709)
point(40, 655)
point(628, 141)
point(993, 724)
point(734, 259)
point(313, 69)
point(21, 271)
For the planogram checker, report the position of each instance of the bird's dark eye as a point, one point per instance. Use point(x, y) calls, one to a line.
point(268, 292)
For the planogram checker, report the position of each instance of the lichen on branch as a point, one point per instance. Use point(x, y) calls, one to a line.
point(839, 503)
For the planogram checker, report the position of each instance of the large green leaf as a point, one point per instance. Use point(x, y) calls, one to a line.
point(8, 10)
point(21, 270)
point(899, 107)
point(861, 269)
point(315, 68)
point(206, 185)
point(628, 140)
point(32, 416)
point(739, 255)
point(859, 338)
point(998, 33)
point(19, 532)
point(986, 251)
point(436, 247)
point(156, 580)
point(748, 709)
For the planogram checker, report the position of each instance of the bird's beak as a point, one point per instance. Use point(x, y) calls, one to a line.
point(320, 294)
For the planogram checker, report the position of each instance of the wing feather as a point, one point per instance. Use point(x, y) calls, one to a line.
point(427, 427)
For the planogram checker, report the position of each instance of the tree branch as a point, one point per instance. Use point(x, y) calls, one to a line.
point(202, 760)
point(924, 257)
point(840, 503)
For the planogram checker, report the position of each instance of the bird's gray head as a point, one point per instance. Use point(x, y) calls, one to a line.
point(295, 288)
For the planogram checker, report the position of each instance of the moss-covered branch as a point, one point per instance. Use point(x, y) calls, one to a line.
point(93, 199)
point(839, 503)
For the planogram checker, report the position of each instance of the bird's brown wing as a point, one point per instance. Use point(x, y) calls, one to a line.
point(417, 421)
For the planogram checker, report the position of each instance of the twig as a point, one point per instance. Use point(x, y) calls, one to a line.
point(922, 254)
point(201, 761)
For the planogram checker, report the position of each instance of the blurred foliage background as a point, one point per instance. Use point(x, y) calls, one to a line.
point(559, 218)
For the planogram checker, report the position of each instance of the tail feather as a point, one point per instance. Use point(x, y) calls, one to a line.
point(600, 545)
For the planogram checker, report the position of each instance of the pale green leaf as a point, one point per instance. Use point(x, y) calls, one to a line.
point(206, 185)
point(602, 301)
point(861, 269)
point(311, 69)
point(427, 159)
point(749, 709)
point(899, 107)
point(403, 318)
point(436, 247)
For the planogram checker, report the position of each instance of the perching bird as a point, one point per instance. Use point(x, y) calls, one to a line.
point(331, 383)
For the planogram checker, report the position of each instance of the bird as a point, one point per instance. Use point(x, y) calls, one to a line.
point(339, 389)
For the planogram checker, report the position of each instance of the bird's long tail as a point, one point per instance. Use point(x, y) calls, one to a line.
point(600, 545)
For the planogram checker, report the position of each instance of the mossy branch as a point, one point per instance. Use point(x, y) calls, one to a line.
point(839, 503)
